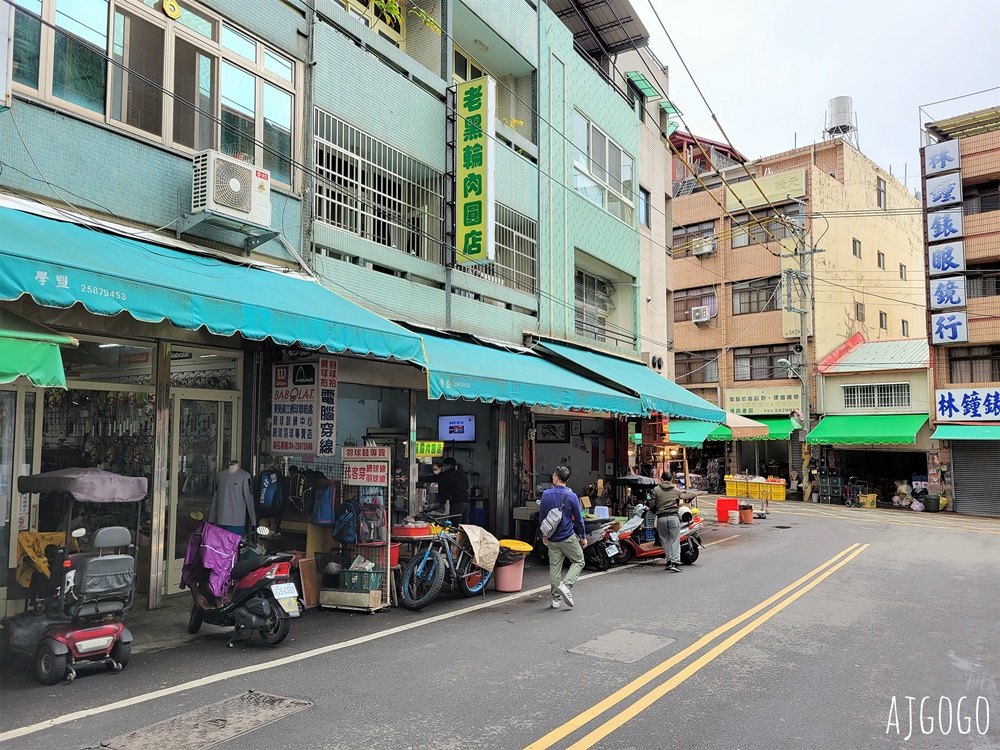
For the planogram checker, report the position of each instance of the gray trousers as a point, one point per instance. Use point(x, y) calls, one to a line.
point(669, 529)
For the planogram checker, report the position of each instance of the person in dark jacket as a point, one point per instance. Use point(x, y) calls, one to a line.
point(453, 488)
point(666, 499)
point(567, 541)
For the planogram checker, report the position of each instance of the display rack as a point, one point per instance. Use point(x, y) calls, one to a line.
point(363, 476)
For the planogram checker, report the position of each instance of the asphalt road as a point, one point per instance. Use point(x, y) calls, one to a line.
point(807, 630)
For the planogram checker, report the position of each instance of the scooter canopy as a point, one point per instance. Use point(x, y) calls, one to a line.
point(87, 485)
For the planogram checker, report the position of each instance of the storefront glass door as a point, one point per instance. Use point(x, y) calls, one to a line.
point(204, 434)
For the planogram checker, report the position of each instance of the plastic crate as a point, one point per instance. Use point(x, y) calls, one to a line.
point(647, 535)
point(361, 580)
point(777, 492)
point(756, 490)
point(731, 487)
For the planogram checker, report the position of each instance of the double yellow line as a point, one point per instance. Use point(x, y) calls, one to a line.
point(810, 581)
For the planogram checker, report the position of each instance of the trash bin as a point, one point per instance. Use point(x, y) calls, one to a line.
point(932, 503)
point(508, 571)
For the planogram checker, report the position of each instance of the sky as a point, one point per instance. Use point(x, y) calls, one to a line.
point(769, 67)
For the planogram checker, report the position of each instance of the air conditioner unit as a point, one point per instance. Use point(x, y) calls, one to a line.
point(703, 246)
point(231, 189)
point(701, 314)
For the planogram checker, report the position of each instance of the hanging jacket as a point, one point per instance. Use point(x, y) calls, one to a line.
point(666, 498)
point(212, 548)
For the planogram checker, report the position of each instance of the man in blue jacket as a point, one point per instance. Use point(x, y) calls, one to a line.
point(567, 541)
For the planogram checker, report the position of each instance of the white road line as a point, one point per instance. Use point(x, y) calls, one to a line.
point(201, 682)
point(724, 539)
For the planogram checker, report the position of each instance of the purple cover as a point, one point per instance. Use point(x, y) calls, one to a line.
point(213, 548)
point(87, 485)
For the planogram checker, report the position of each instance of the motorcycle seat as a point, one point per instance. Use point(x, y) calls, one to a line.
point(245, 567)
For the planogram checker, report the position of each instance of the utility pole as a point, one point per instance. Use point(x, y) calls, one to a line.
point(802, 304)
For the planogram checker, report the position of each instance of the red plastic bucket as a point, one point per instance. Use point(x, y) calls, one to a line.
point(393, 554)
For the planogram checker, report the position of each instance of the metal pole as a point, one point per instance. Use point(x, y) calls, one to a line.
point(161, 463)
point(803, 368)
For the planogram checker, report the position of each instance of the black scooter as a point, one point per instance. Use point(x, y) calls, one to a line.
point(259, 595)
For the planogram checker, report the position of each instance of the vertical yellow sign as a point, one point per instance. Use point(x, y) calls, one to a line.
point(475, 141)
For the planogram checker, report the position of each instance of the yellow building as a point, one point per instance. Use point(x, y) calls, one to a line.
point(731, 331)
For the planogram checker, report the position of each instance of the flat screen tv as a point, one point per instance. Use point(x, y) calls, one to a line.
point(457, 429)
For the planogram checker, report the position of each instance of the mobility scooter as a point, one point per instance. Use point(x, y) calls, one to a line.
point(77, 599)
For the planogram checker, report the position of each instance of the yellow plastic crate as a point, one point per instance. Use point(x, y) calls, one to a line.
point(777, 492)
point(755, 490)
point(731, 487)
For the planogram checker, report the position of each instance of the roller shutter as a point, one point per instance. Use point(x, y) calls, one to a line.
point(975, 466)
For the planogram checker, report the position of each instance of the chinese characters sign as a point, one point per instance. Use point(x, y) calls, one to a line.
point(474, 186)
point(947, 258)
point(948, 291)
point(303, 408)
point(776, 187)
point(945, 225)
point(779, 400)
point(945, 190)
point(949, 327)
point(942, 157)
point(367, 465)
point(967, 405)
point(429, 448)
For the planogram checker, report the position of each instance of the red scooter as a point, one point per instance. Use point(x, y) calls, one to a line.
point(635, 548)
point(258, 597)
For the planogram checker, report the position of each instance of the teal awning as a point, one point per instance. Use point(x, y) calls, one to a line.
point(31, 350)
point(691, 433)
point(669, 108)
point(778, 428)
point(656, 392)
point(643, 84)
point(967, 432)
point(60, 264)
point(868, 429)
point(464, 370)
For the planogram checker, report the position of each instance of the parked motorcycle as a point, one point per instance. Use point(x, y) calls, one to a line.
point(634, 548)
point(78, 599)
point(255, 595)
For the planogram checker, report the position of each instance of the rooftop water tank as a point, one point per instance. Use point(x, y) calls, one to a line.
point(839, 115)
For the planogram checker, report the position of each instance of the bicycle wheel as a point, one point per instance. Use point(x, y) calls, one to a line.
point(422, 580)
point(472, 579)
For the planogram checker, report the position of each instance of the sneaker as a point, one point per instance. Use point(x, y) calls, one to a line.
point(673, 568)
point(566, 595)
point(556, 604)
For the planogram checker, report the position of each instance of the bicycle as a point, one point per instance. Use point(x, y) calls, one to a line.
point(439, 559)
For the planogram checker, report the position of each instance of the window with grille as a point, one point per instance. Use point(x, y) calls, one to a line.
point(978, 199)
point(880, 396)
point(761, 362)
point(696, 367)
point(983, 280)
point(765, 226)
point(594, 303)
point(367, 188)
point(516, 264)
point(974, 364)
point(756, 296)
point(859, 311)
point(702, 296)
point(690, 238)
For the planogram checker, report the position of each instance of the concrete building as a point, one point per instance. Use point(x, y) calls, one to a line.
point(961, 175)
point(731, 330)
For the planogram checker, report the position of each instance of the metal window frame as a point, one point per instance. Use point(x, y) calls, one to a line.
point(355, 172)
point(876, 395)
point(516, 264)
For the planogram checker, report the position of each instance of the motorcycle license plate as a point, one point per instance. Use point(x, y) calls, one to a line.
point(287, 596)
point(612, 550)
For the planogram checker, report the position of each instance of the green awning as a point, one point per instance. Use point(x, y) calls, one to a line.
point(31, 350)
point(477, 372)
point(691, 433)
point(642, 83)
point(60, 264)
point(656, 392)
point(669, 108)
point(967, 432)
point(868, 429)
